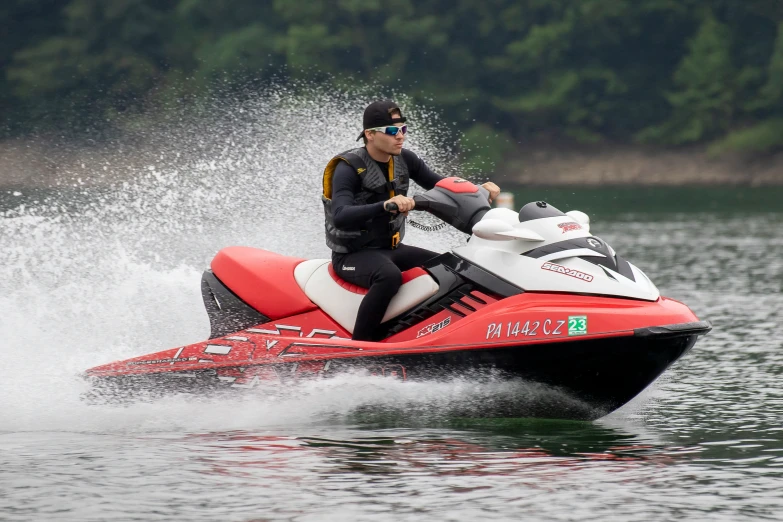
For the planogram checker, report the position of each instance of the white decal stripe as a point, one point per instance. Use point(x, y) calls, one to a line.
point(290, 328)
point(235, 338)
point(317, 331)
point(262, 331)
point(574, 252)
point(217, 349)
point(176, 355)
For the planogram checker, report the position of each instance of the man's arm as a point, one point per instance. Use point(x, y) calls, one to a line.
point(419, 171)
point(421, 174)
point(346, 214)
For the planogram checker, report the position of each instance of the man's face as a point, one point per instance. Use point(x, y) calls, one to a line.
point(385, 143)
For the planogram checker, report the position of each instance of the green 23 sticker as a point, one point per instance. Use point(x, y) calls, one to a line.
point(577, 325)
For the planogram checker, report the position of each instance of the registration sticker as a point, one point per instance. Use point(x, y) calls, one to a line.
point(577, 324)
point(547, 327)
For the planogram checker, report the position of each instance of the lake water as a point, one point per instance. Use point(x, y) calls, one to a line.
point(89, 276)
point(83, 288)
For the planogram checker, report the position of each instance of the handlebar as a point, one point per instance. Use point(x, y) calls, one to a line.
point(421, 204)
point(460, 206)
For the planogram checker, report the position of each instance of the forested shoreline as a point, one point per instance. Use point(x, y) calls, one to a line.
point(664, 73)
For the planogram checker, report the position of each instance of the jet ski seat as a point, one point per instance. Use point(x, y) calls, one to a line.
point(340, 299)
point(262, 279)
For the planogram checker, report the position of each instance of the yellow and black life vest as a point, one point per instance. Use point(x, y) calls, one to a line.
point(385, 231)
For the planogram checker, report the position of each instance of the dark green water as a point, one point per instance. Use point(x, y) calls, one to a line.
point(593, 200)
point(654, 201)
point(704, 443)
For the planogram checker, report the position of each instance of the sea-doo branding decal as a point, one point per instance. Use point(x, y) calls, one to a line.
point(171, 360)
point(349, 268)
point(514, 329)
point(218, 349)
point(570, 226)
point(577, 324)
point(432, 328)
point(553, 267)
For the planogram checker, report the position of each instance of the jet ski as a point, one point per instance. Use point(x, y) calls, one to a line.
point(532, 295)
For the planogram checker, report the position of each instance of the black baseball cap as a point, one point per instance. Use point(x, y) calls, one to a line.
point(379, 114)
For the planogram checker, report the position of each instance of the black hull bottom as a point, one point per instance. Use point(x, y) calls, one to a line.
point(577, 380)
point(602, 375)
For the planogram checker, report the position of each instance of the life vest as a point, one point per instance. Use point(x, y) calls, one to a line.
point(384, 231)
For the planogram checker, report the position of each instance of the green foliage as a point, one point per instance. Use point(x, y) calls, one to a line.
point(661, 71)
point(703, 105)
point(764, 137)
point(771, 93)
point(482, 148)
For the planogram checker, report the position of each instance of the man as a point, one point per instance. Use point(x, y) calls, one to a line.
point(365, 237)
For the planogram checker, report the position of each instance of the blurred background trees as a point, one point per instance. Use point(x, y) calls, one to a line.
point(670, 72)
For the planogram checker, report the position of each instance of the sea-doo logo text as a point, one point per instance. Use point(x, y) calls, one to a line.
point(432, 328)
point(351, 268)
point(567, 271)
point(163, 361)
point(570, 226)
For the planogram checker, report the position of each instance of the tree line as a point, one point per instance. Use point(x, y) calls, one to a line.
point(671, 72)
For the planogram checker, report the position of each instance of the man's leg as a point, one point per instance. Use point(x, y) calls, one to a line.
point(407, 257)
point(374, 270)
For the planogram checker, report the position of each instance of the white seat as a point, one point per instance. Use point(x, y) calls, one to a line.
point(340, 300)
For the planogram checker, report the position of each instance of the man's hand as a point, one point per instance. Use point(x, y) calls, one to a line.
point(493, 189)
point(404, 203)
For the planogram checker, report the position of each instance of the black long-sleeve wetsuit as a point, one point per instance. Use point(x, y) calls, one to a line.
point(378, 269)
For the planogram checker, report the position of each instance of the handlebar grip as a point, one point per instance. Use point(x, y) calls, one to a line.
point(421, 203)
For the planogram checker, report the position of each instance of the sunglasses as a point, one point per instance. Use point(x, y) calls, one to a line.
point(391, 130)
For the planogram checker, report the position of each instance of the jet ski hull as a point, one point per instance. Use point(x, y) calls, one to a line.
point(584, 379)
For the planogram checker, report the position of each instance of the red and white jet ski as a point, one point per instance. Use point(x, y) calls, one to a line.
point(532, 295)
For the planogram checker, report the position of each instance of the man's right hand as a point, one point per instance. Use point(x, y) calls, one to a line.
point(404, 203)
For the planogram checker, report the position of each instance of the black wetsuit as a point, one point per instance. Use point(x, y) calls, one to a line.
point(379, 268)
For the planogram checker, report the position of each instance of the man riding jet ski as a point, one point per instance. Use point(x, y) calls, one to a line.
point(359, 186)
point(532, 297)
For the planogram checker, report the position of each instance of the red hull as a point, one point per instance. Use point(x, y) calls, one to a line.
point(524, 319)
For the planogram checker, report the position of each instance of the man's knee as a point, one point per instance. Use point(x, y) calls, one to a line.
point(389, 276)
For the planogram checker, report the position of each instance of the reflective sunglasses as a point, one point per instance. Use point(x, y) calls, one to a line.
point(391, 130)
